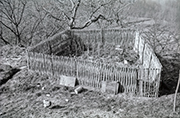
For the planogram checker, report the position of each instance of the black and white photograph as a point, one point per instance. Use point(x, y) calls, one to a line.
point(89, 58)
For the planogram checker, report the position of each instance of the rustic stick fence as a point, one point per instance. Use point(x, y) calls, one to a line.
point(142, 80)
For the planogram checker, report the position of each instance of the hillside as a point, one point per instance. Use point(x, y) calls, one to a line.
point(22, 96)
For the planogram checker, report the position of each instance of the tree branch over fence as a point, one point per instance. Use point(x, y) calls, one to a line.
point(74, 11)
point(89, 22)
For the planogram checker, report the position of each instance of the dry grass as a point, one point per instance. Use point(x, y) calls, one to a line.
point(22, 97)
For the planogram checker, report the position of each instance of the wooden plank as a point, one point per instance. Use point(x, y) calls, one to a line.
point(67, 81)
point(110, 87)
point(141, 82)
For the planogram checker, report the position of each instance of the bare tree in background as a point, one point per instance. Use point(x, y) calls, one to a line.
point(86, 12)
point(1, 33)
point(161, 39)
point(12, 12)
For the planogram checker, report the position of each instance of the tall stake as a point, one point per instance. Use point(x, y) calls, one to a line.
point(76, 68)
point(177, 87)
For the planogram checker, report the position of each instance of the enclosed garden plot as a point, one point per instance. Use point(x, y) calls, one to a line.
point(97, 56)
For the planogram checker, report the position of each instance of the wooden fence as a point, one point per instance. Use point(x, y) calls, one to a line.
point(124, 38)
point(88, 73)
point(142, 80)
point(147, 56)
point(149, 78)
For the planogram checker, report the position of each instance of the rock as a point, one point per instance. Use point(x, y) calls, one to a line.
point(48, 95)
point(78, 89)
point(6, 73)
point(72, 94)
point(43, 88)
point(5, 67)
point(66, 100)
point(46, 103)
point(38, 85)
point(23, 67)
point(126, 62)
point(57, 107)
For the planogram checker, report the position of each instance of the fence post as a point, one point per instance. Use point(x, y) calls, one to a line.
point(28, 59)
point(141, 81)
point(76, 68)
point(98, 48)
point(137, 42)
point(102, 36)
point(52, 67)
point(157, 81)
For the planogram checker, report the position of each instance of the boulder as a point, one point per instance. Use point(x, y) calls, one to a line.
point(6, 73)
point(5, 67)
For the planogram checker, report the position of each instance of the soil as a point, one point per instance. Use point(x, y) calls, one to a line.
point(24, 94)
point(110, 54)
point(170, 74)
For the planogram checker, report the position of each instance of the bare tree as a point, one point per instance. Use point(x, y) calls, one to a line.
point(162, 40)
point(76, 9)
point(1, 34)
point(11, 14)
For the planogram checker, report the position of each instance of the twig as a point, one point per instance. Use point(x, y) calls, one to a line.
point(177, 87)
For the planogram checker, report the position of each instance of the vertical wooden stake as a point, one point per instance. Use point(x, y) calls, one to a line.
point(102, 36)
point(98, 49)
point(52, 66)
point(28, 59)
point(76, 69)
point(177, 87)
point(141, 82)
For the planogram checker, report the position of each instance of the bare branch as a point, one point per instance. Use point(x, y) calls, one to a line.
point(8, 27)
point(56, 18)
point(72, 3)
point(22, 12)
point(12, 8)
point(89, 22)
point(98, 8)
point(74, 14)
point(126, 5)
point(8, 17)
point(1, 35)
point(5, 41)
point(36, 24)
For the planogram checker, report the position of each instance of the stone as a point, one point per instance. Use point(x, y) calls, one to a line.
point(66, 100)
point(4, 67)
point(46, 103)
point(48, 95)
point(126, 62)
point(6, 73)
point(78, 89)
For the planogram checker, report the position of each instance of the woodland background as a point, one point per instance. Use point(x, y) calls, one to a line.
point(27, 22)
